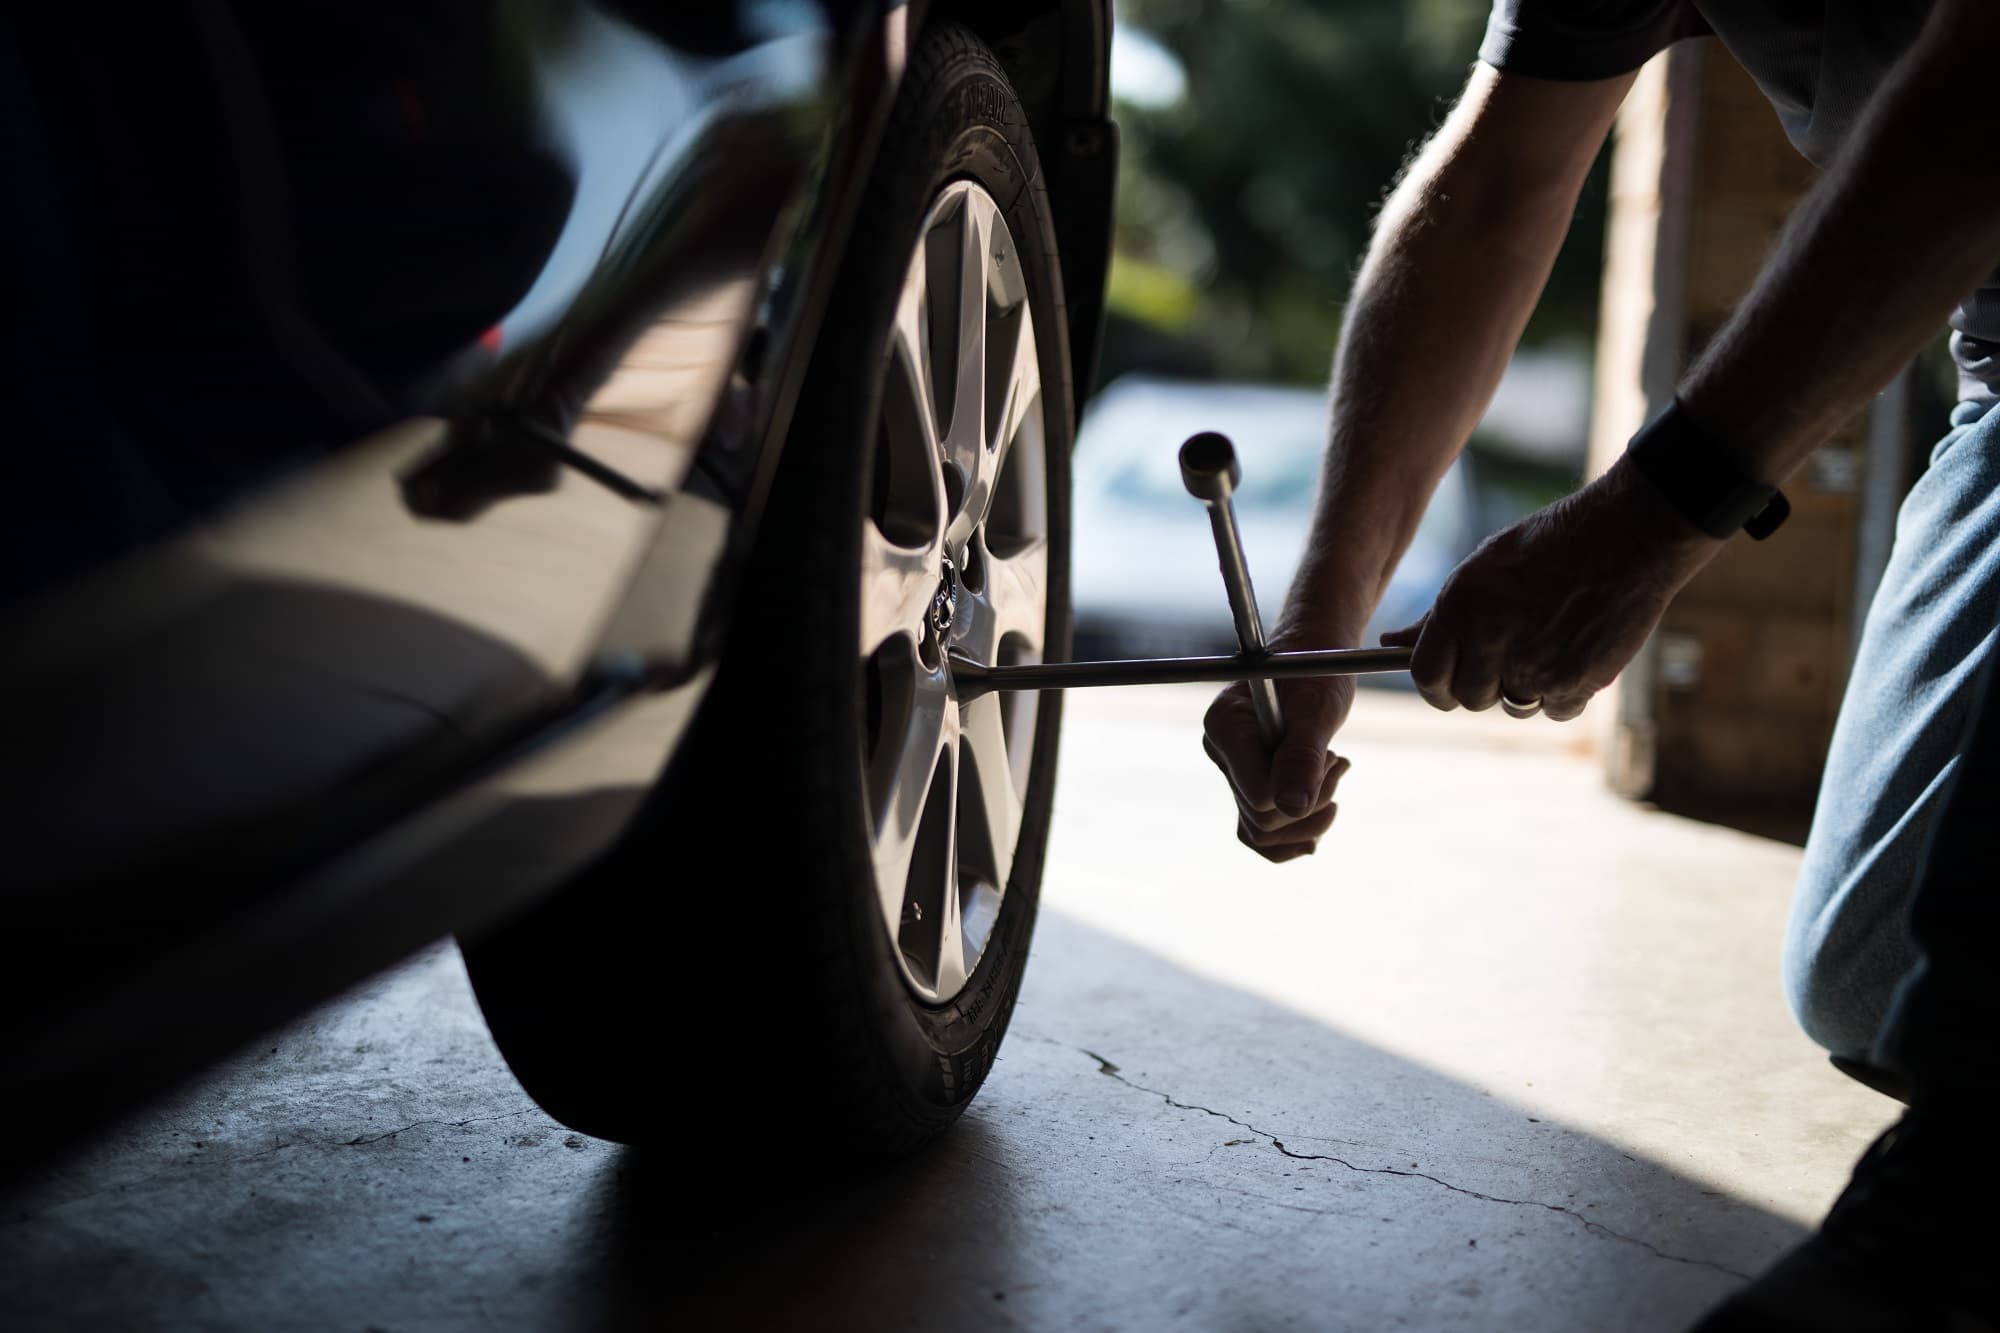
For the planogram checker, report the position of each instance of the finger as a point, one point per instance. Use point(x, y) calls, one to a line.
point(1297, 830)
point(1475, 680)
point(1265, 821)
point(1299, 840)
point(1231, 739)
point(1433, 663)
point(1249, 781)
point(1335, 767)
point(1297, 773)
point(1531, 698)
point(1221, 760)
point(1565, 706)
point(1406, 636)
point(1277, 850)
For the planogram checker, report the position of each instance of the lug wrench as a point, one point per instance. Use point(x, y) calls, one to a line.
point(1211, 473)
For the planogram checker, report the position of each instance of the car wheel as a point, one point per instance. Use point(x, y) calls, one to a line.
point(833, 895)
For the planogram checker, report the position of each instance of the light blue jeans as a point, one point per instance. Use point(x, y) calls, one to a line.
point(1908, 705)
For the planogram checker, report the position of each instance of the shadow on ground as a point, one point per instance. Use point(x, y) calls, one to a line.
point(1153, 1150)
point(1228, 1164)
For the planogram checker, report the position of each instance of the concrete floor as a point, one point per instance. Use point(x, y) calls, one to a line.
point(1508, 1053)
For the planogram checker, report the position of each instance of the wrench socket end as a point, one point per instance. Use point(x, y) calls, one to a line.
point(1209, 468)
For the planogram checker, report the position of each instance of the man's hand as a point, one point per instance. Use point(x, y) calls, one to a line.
point(1554, 607)
point(1284, 797)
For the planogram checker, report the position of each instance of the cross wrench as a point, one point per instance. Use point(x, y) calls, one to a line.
point(1210, 472)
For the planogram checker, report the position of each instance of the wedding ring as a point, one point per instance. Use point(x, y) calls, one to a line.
point(1519, 707)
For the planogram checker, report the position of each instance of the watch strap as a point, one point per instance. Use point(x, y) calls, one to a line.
point(1701, 481)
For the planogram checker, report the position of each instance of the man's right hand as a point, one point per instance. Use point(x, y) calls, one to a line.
point(1284, 797)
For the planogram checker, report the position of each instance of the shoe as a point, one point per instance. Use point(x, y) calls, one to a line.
point(1911, 1246)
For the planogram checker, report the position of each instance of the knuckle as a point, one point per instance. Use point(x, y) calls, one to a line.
point(1254, 804)
point(1262, 821)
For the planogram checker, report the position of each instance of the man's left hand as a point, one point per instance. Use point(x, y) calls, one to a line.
point(1552, 609)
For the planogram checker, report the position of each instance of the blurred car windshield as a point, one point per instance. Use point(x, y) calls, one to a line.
point(1128, 452)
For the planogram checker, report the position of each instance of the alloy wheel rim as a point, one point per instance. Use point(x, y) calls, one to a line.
point(954, 563)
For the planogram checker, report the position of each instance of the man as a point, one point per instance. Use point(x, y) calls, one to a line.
point(1901, 233)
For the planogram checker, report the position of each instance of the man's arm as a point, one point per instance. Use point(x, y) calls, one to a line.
point(1905, 223)
point(1461, 252)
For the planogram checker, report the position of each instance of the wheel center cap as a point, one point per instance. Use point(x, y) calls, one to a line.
point(944, 603)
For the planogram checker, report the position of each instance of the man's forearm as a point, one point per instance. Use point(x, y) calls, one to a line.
point(1460, 256)
point(1906, 222)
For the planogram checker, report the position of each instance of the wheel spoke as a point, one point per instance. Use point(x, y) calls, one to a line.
point(1024, 386)
point(897, 584)
point(900, 784)
point(965, 442)
point(910, 351)
point(1018, 585)
point(1013, 603)
point(951, 971)
point(998, 806)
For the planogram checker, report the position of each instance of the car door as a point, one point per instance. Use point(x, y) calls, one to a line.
point(443, 302)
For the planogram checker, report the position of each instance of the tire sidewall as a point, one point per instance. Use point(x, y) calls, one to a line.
point(965, 125)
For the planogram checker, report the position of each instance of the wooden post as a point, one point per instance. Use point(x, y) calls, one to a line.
point(1733, 700)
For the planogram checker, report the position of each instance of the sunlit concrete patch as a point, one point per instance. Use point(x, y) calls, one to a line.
point(1485, 908)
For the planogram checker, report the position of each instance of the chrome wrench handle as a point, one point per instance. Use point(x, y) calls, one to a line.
point(1211, 474)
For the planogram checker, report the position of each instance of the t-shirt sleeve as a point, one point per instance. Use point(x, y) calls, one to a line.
point(1584, 39)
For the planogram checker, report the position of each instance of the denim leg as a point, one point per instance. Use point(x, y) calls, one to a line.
point(1907, 710)
point(1940, 1031)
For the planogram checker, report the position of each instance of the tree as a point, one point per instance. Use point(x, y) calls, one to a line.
point(1245, 205)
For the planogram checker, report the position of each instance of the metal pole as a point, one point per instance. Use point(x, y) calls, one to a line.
point(1211, 473)
point(971, 680)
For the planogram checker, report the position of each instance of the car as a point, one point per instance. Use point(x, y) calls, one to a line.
point(524, 472)
point(1145, 578)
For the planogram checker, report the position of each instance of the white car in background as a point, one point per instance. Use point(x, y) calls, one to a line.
point(1144, 574)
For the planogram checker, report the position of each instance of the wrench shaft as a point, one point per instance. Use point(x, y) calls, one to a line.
point(1210, 472)
point(1243, 609)
point(973, 680)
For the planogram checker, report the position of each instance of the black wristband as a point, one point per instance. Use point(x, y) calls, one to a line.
point(1701, 481)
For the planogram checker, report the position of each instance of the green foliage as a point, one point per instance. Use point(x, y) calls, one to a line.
point(1152, 293)
point(1258, 188)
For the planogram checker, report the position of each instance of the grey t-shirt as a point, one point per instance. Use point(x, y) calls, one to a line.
point(1819, 61)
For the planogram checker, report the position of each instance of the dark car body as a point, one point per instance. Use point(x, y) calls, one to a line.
point(392, 395)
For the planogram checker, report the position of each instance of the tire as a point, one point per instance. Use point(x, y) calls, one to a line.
point(745, 932)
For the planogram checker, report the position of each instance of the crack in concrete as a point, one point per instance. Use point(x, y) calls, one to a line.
point(443, 1124)
point(1590, 1225)
point(209, 1162)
